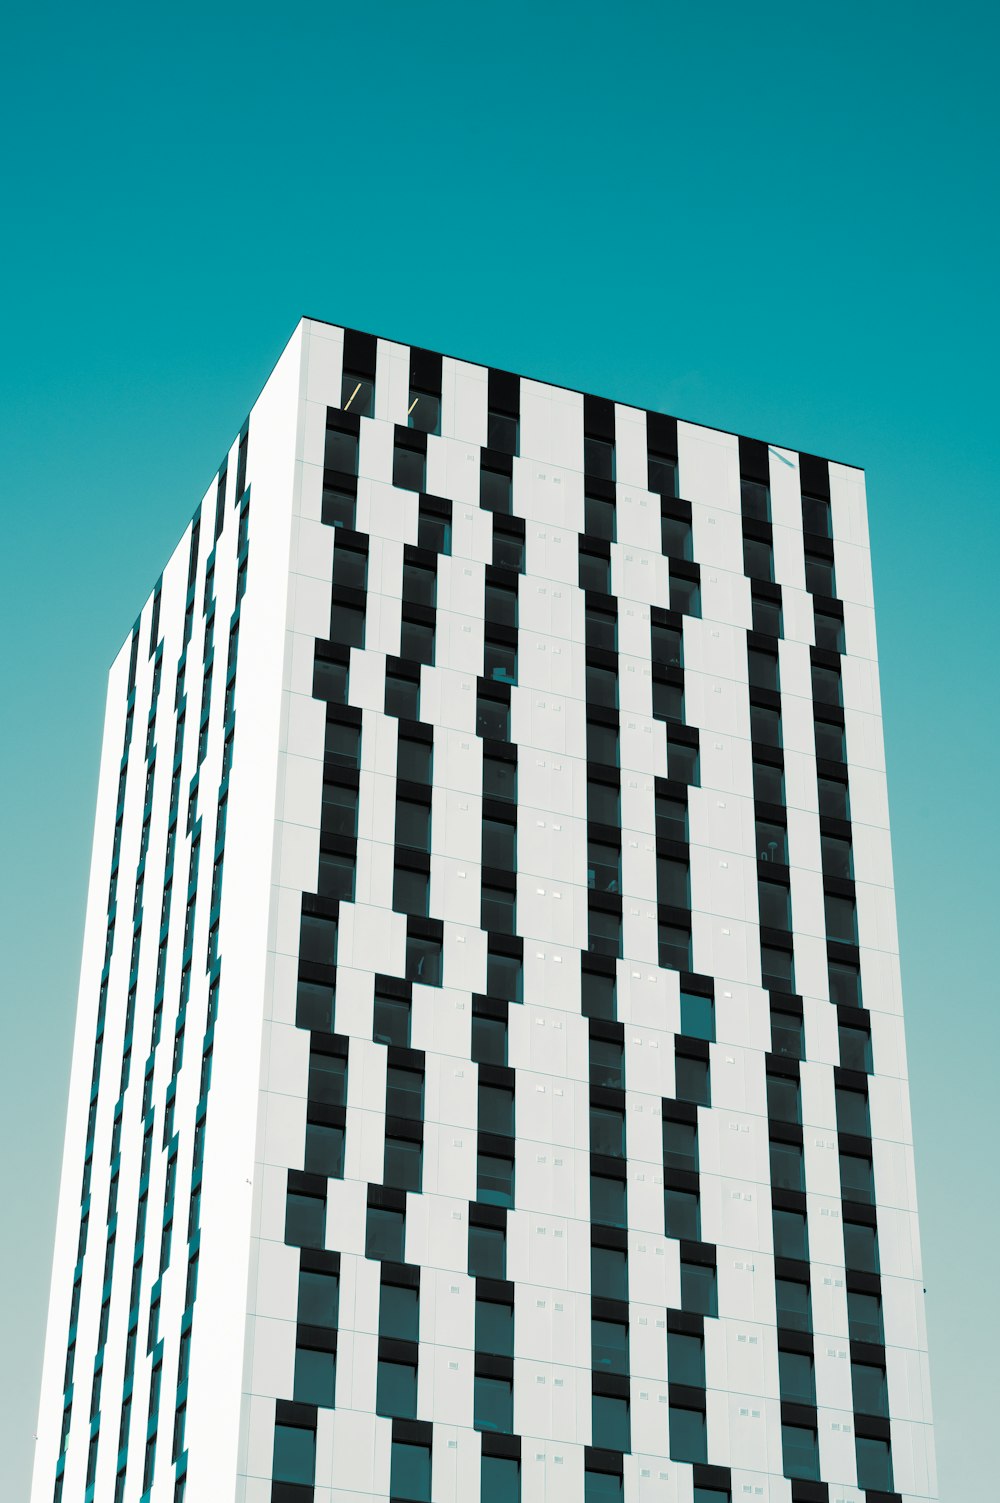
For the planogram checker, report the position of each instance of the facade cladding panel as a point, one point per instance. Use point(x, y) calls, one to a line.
point(489, 1076)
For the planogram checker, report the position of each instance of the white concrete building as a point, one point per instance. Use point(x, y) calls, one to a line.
point(489, 1077)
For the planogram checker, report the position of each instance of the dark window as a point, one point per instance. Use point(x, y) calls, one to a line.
point(792, 1298)
point(336, 876)
point(829, 631)
point(347, 624)
point(609, 1272)
point(856, 1179)
point(385, 1234)
point(662, 476)
point(797, 1378)
point(692, 1080)
point(495, 1179)
point(864, 1315)
point(499, 778)
point(852, 1112)
point(294, 1454)
point(399, 1312)
point(603, 748)
point(763, 668)
point(674, 946)
point(675, 538)
point(504, 975)
point(609, 1346)
point(774, 904)
point(415, 759)
point(680, 1145)
point(697, 1016)
point(608, 1201)
point(601, 628)
point(801, 1451)
point(766, 615)
point(600, 518)
point(602, 1487)
point(758, 559)
point(685, 595)
point(410, 1473)
point(404, 1096)
point(686, 1359)
point(502, 431)
point(319, 1296)
point(397, 1390)
point(413, 824)
point(673, 882)
point(688, 1440)
point(768, 783)
point(489, 1039)
point(845, 983)
point(861, 1247)
point(816, 515)
point(325, 1150)
point(424, 411)
point(607, 1063)
point(416, 640)
point(487, 1252)
point(598, 991)
point(419, 585)
point(495, 1327)
point(838, 856)
point(784, 1098)
point(826, 686)
point(841, 919)
point(791, 1238)
point(787, 1166)
point(409, 468)
point(411, 891)
point(610, 1420)
point(698, 1288)
point(605, 937)
point(402, 694)
point(777, 969)
point(357, 393)
point(434, 530)
point(604, 872)
point(874, 1463)
point(496, 1109)
point(391, 1023)
point(755, 500)
point(820, 578)
point(871, 1394)
point(315, 1377)
point(350, 567)
point(498, 909)
point(855, 1048)
point(341, 453)
point(495, 490)
point(765, 725)
point(671, 817)
point(602, 686)
point(595, 571)
point(682, 1214)
point(493, 1404)
point(599, 457)
point(500, 1479)
point(328, 1078)
point(305, 1220)
point(607, 1131)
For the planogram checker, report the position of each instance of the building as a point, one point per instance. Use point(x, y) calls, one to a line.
point(489, 1076)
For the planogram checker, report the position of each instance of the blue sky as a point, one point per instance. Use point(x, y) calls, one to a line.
point(779, 220)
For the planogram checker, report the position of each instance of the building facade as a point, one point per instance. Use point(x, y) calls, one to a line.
point(489, 1078)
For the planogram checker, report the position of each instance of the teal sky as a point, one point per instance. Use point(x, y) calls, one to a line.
point(780, 220)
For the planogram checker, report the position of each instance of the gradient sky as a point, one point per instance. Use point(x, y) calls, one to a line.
point(780, 220)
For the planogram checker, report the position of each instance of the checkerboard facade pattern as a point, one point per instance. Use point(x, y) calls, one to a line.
point(492, 847)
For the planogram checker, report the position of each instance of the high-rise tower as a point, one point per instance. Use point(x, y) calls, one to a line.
point(489, 1076)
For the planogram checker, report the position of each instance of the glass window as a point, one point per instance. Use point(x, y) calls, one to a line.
point(508, 548)
point(766, 615)
point(402, 695)
point(671, 817)
point(820, 579)
point(424, 411)
point(668, 701)
point(502, 431)
point(607, 1131)
point(496, 1109)
point(416, 641)
point(777, 969)
point(609, 1272)
point(775, 905)
point(688, 1441)
point(397, 1390)
point(682, 1214)
point(667, 645)
point(605, 936)
point(826, 685)
point(391, 1023)
point(343, 744)
point(339, 812)
point(797, 1378)
point(495, 1327)
point(500, 843)
point(501, 604)
point(673, 882)
point(495, 490)
point(599, 518)
point(324, 1150)
point(330, 681)
point(489, 1039)
point(830, 740)
point(675, 538)
point(686, 1359)
point(294, 1455)
point(305, 1220)
point(404, 1096)
point(341, 452)
point(609, 1346)
point(500, 1479)
point(801, 1451)
point(499, 778)
point(784, 1098)
point(495, 1179)
point(603, 802)
point(610, 1417)
point(864, 1315)
point(599, 457)
point(685, 595)
point(758, 559)
point(691, 1080)
point(608, 1200)
point(315, 1377)
point(336, 876)
point(662, 474)
point(328, 1078)
point(347, 624)
point(595, 571)
point(874, 1464)
point(852, 1111)
point(413, 824)
point(765, 725)
point(845, 983)
point(601, 628)
point(599, 993)
point(602, 686)
point(607, 1063)
point(838, 856)
point(403, 1163)
point(860, 1247)
point(411, 891)
point(755, 499)
point(791, 1236)
point(420, 584)
point(698, 1288)
point(399, 1312)
point(816, 515)
point(674, 947)
point(385, 1234)
point(410, 1474)
point(319, 1296)
point(409, 468)
point(841, 919)
point(602, 1487)
point(871, 1394)
point(856, 1178)
point(492, 718)
point(357, 394)
point(792, 1297)
point(680, 1145)
point(339, 506)
point(487, 1252)
point(350, 567)
point(787, 1166)
point(498, 909)
point(697, 1016)
point(855, 1048)
point(433, 531)
point(493, 1404)
point(763, 669)
point(504, 975)
point(829, 631)
point(834, 801)
point(500, 662)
